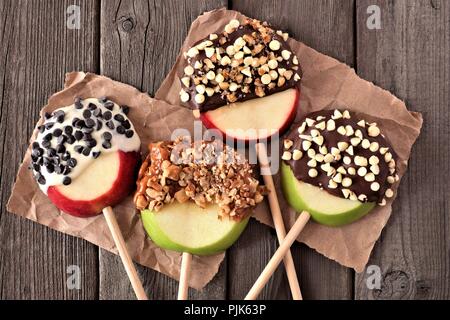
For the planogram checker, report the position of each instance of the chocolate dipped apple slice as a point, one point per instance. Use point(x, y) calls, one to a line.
point(337, 167)
point(243, 81)
point(85, 159)
point(195, 198)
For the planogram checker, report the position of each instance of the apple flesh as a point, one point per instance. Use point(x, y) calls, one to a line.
point(254, 119)
point(324, 208)
point(186, 227)
point(108, 180)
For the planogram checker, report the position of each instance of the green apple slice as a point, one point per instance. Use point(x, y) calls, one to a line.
point(324, 208)
point(186, 227)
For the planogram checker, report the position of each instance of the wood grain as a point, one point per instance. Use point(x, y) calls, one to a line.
point(139, 44)
point(37, 50)
point(328, 27)
point(410, 56)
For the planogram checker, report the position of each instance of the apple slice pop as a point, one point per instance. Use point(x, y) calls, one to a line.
point(195, 198)
point(336, 168)
point(85, 160)
point(244, 82)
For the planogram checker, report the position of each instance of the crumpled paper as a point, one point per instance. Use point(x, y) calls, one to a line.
point(326, 84)
point(153, 120)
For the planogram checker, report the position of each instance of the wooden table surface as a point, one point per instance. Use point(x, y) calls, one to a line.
point(136, 42)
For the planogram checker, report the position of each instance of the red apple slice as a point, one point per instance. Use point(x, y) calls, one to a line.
point(254, 119)
point(105, 182)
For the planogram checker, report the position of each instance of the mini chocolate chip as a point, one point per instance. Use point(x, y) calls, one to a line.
point(60, 148)
point(87, 136)
point(126, 124)
point(86, 151)
point(96, 154)
point(99, 125)
point(87, 113)
point(36, 167)
point(80, 124)
point(57, 132)
point(62, 139)
point(45, 161)
point(129, 133)
point(106, 144)
point(78, 148)
point(41, 129)
point(92, 106)
point(91, 143)
point(88, 130)
point(107, 115)
point(78, 99)
point(49, 125)
point(47, 116)
point(72, 162)
point(60, 119)
point(40, 179)
point(125, 109)
point(107, 135)
point(50, 168)
point(59, 113)
point(78, 105)
point(56, 160)
point(74, 121)
point(78, 135)
point(34, 157)
point(90, 123)
point(110, 124)
point(68, 129)
point(59, 169)
point(70, 139)
point(120, 130)
point(67, 181)
point(66, 170)
point(102, 99)
point(46, 144)
point(48, 137)
point(97, 112)
point(66, 156)
point(119, 117)
point(51, 152)
point(109, 105)
point(40, 161)
point(35, 145)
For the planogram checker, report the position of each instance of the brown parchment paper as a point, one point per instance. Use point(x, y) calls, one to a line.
point(153, 120)
point(326, 83)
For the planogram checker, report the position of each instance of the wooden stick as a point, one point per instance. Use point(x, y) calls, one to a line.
point(278, 256)
point(184, 276)
point(123, 253)
point(278, 221)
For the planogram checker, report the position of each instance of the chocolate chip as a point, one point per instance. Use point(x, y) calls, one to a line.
point(60, 119)
point(109, 105)
point(74, 121)
point(70, 139)
point(78, 148)
point(47, 116)
point(80, 124)
point(92, 107)
point(68, 129)
point(106, 144)
point(36, 167)
point(87, 136)
point(48, 137)
point(97, 112)
point(50, 168)
point(46, 144)
point(99, 125)
point(87, 113)
point(40, 161)
point(78, 99)
point(107, 115)
point(62, 139)
point(51, 152)
point(67, 181)
point(66, 156)
point(96, 154)
point(78, 105)
point(125, 109)
point(129, 133)
point(126, 124)
point(45, 161)
point(90, 123)
point(110, 124)
point(119, 118)
point(55, 160)
point(41, 129)
point(107, 135)
point(66, 170)
point(86, 151)
point(35, 145)
point(59, 113)
point(78, 135)
point(59, 169)
point(88, 130)
point(91, 143)
point(60, 148)
point(102, 99)
point(57, 132)
point(120, 130)
point(72, 162)
point(49, 125)
point(40, 178)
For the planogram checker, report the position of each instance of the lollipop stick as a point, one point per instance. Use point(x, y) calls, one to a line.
point(123, 253)
point(278, 256)
point(278, 222)
point(184, 276)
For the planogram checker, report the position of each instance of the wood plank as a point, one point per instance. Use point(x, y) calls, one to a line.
point(37, 50)
point(410, 56)
point(139, 44)
point(327, 26)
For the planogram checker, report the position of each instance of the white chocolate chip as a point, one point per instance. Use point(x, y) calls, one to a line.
point(388, 157)
point(374, 146)
point(319, 157)
point(321, 125)
point(323, 150)
point(353, 196)
point(349, 130)
point(341, 170)
point(347, 160)
point(189, 70)
point(311, 153)
point(325, 167)
point(273, 74)
point(312, 163)
point(358, 133)
point(318, 140)
point(391, 164)
point(389, 193)
point(184, 96)
point(350, 150)
point(346, 193)
point(198, 65)
point(288, 143)
point(332, 184)
point(370, 177)
point(342, 145)
point(375, 169)
point(295, 60)
point(337, 178)
point(286, 54)
point(309, 122)
point(297, 154)
point(238, 56)
point(362, 171)
point(209, 91)
point(302, 128)
point(225, 61)
point(346, 114)
point(341, 130)
point(365, 144)
point(361, 161)
point(219, 78)
point(362, 123)
point(266, 79)
point(200, 88)
point(286, 156)
point(248, 61)
point(335, 151)
point(274, 45)
point(375, 186)
point(199, 98)
point(355, 141)
point(305, 137)
point(347, 182)
point(306, 145)
point(382, 203)
point(296, 77)
point(313, 173)
point(362, 197)
point(331, 125)
point(186, 81)
point(210, 75)
point(213, 36)
point(351, 171)
point(192, 52)
point(234, 23)
point(373, 160)
point(328, 158)
point(391, 180)
point(315, 133)
point(373, 131)
point(272, 64)
point(336, 115)
point(384, 150)
point(209, 52)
